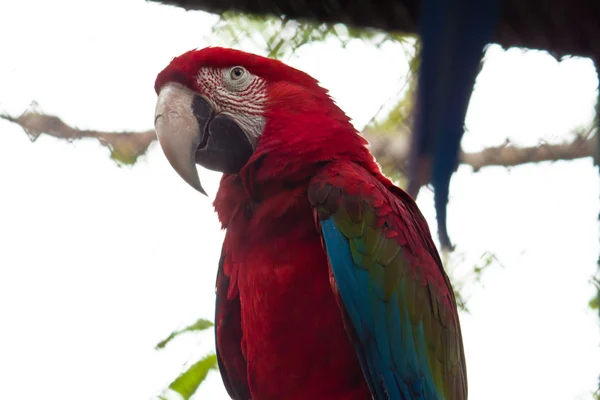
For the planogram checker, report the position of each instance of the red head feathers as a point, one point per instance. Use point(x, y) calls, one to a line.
point(185, 68)
point(236, 107)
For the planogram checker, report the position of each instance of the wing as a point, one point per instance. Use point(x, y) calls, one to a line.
point(228, 333)
point(453, 35)
point(397, 302)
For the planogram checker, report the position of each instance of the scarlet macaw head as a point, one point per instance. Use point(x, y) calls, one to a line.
point(214, 104)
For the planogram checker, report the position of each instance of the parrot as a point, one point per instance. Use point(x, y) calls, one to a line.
point(329, 284)
point(453, 35)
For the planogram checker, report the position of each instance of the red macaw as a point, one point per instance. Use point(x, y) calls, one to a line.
point(329, 284)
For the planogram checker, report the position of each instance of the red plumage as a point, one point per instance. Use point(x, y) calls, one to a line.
point(294, 343)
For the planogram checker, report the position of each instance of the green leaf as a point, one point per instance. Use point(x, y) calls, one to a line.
point(199, 325)
point(188, 382)
point(595, 301)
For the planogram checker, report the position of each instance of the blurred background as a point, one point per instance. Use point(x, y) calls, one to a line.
point(106, 254)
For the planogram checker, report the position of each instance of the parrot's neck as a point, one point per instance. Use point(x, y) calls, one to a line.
point(285, 160)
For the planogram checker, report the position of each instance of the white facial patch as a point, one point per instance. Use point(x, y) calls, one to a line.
point(236, 92)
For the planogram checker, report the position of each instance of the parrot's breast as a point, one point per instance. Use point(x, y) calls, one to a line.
point(294, 340)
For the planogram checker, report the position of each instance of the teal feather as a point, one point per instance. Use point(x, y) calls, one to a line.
point(398, 302)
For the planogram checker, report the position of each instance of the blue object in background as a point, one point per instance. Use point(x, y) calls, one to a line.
point(453, 36)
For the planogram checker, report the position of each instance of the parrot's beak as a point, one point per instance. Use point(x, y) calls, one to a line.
point(190, 132)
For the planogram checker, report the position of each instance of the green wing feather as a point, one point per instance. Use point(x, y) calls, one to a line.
point(396, 298)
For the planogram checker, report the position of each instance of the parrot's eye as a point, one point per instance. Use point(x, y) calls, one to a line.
point(237, 78)
point(237, 73)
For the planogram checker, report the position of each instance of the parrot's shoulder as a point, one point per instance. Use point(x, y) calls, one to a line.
point(345, 180)
point(353, 186)
point(357, 198)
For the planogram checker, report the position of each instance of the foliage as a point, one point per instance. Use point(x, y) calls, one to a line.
point(189, 380)
point(472, 277)
point(199, 325)
point(281, 37)
point(595, 301)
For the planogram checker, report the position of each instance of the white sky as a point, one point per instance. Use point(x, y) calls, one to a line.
point(99, 263)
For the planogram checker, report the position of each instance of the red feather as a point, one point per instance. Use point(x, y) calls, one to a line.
point(296, 346)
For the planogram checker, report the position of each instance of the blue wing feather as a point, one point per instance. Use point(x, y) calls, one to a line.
point(388, 364)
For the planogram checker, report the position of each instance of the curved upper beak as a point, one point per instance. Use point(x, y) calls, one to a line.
point(190, 132)
point(179, 131)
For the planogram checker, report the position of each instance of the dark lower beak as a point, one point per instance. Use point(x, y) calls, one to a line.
point(190, 132)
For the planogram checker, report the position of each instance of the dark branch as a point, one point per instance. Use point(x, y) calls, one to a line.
point(561, 27)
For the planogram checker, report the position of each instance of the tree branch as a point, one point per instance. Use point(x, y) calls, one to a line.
point(509, 155)
point(390, 149)
point(125, 147)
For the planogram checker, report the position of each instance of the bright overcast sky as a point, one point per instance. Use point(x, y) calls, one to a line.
point(99, 263)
